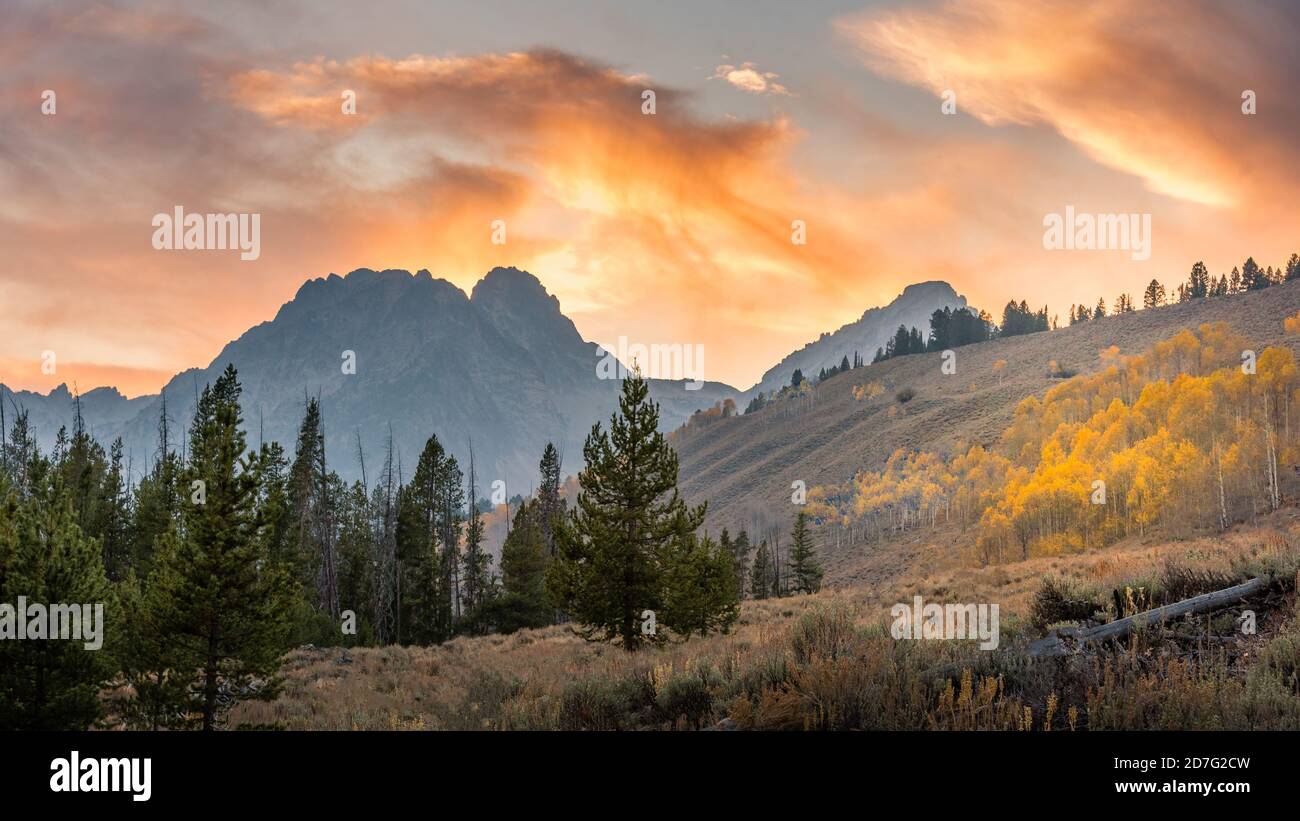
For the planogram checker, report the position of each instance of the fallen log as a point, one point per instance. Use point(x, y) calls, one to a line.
point(1053, 645)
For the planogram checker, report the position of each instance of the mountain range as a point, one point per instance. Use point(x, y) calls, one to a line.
point(872, 330)
point(501, 370)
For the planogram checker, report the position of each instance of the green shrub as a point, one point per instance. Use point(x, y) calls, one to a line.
point(599, 703)
point(690, 695)
point(823, 633)
point(1061, 599)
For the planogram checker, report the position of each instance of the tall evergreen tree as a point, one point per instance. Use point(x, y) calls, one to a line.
point(356, 551)
point(385, 560)
point(50, 684)
point(524, 559)
point(113, 521)
point(220, 602)
point(700, 593)
point(24, 460)
point(1154, 295)
point(630, 525)
point(804, 570)
point(1292, 268)
point(157, 499)
point(477, 561)
point(740, 549)
point(313, 531)
point(160, 694)
point(450, 497)
point(426, 613)
point(552, 506)
point(1252, 276)
point(1198, 281)
point(762, 577)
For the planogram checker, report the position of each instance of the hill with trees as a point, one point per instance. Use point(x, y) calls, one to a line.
point(751, 467)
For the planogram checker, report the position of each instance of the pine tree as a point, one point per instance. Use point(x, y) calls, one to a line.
point(159, 693)
point(113, 520)
point(50, 684)
point(1198, 281)
point(317, 563)
point(427, 613)
point(386, 603)
point(740, 552)
point(761, 577)
point(354, 519)
point(1252, 277)
point(450, 498)
point(1154, 295)
point(157, 500)
point(551, 506)
point(524, 559)
point(915, 342)
point(477, 561)
point(614, 549)
point(804, 570)
point(220, 602)
point(700, 594)
point(81, 468)
point(26, 465)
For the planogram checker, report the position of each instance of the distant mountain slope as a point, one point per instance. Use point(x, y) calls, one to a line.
point(744, 466)
point(502, 367)
point(912, 308)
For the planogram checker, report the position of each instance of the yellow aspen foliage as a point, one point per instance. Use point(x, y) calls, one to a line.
point(1178, 437)
point(1292, 324)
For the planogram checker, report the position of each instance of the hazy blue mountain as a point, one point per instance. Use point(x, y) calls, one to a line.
point(911, 308)
point(502, 368)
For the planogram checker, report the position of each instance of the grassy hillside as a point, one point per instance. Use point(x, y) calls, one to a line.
point(828, 661)
point(744, 466)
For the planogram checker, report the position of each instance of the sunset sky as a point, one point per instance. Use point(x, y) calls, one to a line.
point(671, 227)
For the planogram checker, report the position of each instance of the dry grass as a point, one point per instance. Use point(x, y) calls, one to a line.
point(827, 662)
point(515, 681)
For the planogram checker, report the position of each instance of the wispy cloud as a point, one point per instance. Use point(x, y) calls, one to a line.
point(674, 225)
point(747, 77)
point(1153, 90)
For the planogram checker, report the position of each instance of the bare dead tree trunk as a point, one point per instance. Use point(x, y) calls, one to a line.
point(1053, 646)
point(325, 531)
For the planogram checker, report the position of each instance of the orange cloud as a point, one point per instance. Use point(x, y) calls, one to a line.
point(1154, 90)
point(670, 227)
point(664, 215)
